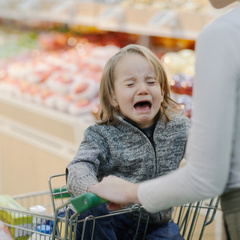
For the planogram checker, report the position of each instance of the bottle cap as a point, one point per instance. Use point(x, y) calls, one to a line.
point(38, 209)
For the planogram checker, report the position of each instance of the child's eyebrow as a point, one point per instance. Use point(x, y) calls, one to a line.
point(130, 79)
point(150, 76)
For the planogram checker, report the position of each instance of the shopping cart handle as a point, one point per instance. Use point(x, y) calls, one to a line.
point(61, 193)
point(86, 201)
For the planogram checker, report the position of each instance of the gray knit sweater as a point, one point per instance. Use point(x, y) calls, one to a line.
point(125, 151)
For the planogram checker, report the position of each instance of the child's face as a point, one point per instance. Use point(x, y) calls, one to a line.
point(137, 91)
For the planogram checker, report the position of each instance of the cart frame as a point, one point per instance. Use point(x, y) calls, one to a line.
point(62, 227)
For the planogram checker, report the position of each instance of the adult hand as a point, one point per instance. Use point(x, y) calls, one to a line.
point(117, 191)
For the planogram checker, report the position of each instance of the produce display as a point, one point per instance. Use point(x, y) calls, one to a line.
point(15, 42)
point(61, 69)
point(180, 69)
point(63, 73)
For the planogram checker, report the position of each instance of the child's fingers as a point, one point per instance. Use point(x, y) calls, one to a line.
point(114, 206)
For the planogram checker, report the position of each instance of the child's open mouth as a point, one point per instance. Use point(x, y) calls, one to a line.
point(143, 106)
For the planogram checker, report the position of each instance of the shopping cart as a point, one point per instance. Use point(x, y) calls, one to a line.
point(57, 224)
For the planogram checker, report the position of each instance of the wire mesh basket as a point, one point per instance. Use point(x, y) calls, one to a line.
point(57, 223)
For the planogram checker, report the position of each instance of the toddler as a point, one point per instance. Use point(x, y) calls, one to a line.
point(140, 135)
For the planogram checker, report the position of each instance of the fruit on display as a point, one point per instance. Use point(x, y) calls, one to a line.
point(185, 101)
point(16, 42)
point(172, 44)
point(63, 73)
point(179, 62)
point(52, 40)
point(180, 69)
point(182, 84)
point(81, 106)
point(83, 88)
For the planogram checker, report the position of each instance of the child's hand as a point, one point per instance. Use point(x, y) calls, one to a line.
point(117, 191)
point(114, 206)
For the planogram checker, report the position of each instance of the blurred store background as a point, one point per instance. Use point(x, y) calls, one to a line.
point(52, 53)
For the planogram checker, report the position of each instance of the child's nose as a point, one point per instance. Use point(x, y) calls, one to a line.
point(142, 89)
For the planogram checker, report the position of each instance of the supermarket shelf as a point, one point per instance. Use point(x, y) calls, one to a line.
point(38, 139)
point(150, 31)
point(35, 143)
point(110, 17)
point(59, 125)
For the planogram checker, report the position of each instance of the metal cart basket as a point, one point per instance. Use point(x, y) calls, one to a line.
point(56, 223)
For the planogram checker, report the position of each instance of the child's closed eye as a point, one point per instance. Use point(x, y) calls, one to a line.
point(151, 81)
point(130, 83)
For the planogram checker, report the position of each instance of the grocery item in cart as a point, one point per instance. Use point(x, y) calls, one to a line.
point(4, 232)
point(41, 230)
point(38, 209)
point(14, 218)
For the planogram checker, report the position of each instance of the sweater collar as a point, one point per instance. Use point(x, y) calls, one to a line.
point(160, 123)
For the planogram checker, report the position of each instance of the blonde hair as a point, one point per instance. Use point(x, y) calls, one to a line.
point(108, 113)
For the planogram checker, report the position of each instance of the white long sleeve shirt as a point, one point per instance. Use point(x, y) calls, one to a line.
point(213, 150)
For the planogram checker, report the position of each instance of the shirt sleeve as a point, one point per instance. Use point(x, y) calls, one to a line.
point(208, 152)
point(83, 169)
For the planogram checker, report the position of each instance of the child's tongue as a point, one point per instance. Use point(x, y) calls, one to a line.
point(142, 106)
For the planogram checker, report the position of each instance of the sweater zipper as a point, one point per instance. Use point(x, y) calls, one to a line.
point(155, 157)
point(154, 149)
point(152, 142)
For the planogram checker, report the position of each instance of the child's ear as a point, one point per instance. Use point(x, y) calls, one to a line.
point(114, 102)
point(163, 91)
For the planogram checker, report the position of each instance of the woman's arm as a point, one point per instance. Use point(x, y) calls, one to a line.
point(210, 140)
